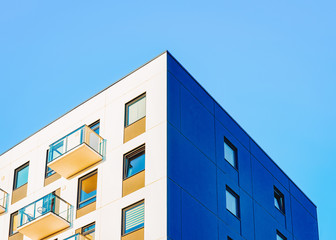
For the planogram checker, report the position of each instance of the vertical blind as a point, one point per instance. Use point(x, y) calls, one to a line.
point(134, 218)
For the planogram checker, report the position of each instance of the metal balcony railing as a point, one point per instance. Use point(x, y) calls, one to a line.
point(47, 204)
point(3, 201)
point(81, 135)
point(77, 237)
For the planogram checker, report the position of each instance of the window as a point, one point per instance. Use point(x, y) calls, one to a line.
point(49, 171)
point(134, 162)
point(279, 236)
point(230, 153)
point(279, 200)
point(21, 176)
point(133, 217)
point(135, 110)
point(89, 231)
point(14, 222)
point(228, 238)
point(87, 189)
point(232, 202)
point(95, 126)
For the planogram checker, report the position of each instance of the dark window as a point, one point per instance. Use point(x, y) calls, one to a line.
point(49, 171)
point(21, 176)
point(133, 217)
point(14, 222)
point(230, 153)
point(135, 109)
point(279, 200)
point(134, 162)
point(228, 238)
point(95, 126)
point(279, 236)
point(87, 189)
point(89, 231)
point(232, 202)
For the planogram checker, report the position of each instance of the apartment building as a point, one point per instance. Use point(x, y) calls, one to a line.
point(153, 156)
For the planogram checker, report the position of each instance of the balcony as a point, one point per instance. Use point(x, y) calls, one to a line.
point(76, 151)
point(45, 217)
point(77, 237)
point(3, 201)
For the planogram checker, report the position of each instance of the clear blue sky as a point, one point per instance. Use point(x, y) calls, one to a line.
point(270, 64)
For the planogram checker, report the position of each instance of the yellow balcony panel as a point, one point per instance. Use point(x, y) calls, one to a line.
point(44, 226)
point(44, 217)
point(76, 151)
point(76, 160)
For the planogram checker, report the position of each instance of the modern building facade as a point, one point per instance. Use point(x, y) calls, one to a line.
point(154, 157)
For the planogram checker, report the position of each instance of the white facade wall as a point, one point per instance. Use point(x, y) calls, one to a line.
point(109, 107)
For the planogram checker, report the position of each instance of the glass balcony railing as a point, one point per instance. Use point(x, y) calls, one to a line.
point(81, 135)
point(76, 151)
point(77, 237)
point(3, 201)
point(47, 204)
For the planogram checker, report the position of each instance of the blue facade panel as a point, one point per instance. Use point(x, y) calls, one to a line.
point(198, 175)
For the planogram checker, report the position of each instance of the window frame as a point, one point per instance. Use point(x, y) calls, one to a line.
point(280, 235)
point(16, 172)
point(134, 100)
point(237, 198)
point(130, 154)
point(11, 233)
point(94, 125)
point(123, 217)
point(235, 150)
point(80, 180)
point(90, 231)
point(282, 198)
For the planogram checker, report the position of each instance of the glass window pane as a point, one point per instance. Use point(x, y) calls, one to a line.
point(135, 164)
point(134, 218)
point(229, 154)
point(136, 110)
point(88, 190)
point(22, 177)
point(231, 203)
point(279, 200)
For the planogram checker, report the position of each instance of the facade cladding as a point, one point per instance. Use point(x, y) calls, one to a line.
point(151, 157)
point(199, 175)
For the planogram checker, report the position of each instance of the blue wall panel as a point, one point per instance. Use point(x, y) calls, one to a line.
point(198, 174)
point(188, 82)
point(247, 216)
point(174, 99)
point(197, 124)
point(191, 169)
point(304, 224)
point(174, 223)
point(197, 221)
point(263, 191)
